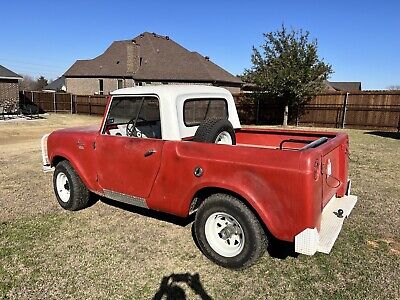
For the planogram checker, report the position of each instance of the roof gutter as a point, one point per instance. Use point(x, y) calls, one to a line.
point(12, 78)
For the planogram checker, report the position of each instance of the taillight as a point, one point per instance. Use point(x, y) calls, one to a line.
point(316, 169)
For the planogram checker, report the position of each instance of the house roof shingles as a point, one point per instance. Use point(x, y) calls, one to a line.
point(56, 84)
point(151, 57)
point(8, 74)
point(346, 86)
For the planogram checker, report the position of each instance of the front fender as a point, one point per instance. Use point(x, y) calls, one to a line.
point(82, 160)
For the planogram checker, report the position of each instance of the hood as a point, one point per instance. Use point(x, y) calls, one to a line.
point(79, 130)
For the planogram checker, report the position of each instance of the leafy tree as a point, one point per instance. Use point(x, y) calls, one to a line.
point(41, 82)
point(287, 67)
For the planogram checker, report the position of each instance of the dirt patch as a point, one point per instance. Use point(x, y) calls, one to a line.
point(24, 188)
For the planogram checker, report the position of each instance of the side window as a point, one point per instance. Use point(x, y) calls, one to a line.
point(134, 117)
point(197, 110)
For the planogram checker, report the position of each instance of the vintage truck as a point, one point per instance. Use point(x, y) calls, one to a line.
point(181, 150)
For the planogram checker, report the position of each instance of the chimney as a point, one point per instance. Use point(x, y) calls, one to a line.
point(132, 58)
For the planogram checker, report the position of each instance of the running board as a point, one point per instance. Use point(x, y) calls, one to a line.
point(120, 197)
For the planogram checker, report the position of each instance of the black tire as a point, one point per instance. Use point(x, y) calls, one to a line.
point(254, 238)
point(210, 129)
point(79, 195)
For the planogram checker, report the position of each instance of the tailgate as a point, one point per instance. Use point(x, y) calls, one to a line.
point(334, 173)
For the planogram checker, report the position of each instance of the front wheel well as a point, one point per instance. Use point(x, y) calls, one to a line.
point(204, 193)
point(57, 159)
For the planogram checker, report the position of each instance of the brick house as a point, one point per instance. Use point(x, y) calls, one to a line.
point(147, 59)
point(9, 90)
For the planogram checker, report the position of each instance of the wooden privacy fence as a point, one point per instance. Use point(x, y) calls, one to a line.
point(47, 102)
point(360, 110)
point(363, 110)
point(63, 102)
point(91, 105)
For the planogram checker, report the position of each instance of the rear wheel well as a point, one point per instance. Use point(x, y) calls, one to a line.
point(203, 193)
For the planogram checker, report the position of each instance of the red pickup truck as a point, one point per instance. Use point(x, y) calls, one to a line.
point(181, 150)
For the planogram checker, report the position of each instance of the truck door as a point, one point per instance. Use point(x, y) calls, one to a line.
point(129, 148)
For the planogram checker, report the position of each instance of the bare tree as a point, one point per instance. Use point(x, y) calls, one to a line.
point(27, 83)
point(394, 87)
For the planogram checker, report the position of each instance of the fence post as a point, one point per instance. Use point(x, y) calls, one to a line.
point(71, 104)
point(76, 106)
point(398, 124)
point(33, 100)
point(54, 102)
point(345, 109)
point(257, 110)
point(90, 108)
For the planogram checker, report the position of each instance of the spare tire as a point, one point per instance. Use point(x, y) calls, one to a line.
point(214, 130)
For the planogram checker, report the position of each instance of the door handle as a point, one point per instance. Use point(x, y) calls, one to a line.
point(149, 152)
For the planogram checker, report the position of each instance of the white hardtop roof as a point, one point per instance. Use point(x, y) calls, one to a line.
point(172, 98)
point(171, 90)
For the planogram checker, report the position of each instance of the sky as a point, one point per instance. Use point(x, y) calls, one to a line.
point(360, 39)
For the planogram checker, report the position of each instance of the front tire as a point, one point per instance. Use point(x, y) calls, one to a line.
point(70, 191)
point(228, 232)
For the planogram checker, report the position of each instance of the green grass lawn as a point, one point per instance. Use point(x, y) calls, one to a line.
point(107, 252)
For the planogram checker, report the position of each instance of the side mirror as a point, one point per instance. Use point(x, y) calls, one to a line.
point(109, 120)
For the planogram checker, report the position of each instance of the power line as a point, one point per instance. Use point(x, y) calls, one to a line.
point(32, 64)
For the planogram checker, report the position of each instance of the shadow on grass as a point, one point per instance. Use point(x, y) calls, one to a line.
point(280, 249)
point(169, 289)
point(276, 248)
point(150, 213)
point(386, 134)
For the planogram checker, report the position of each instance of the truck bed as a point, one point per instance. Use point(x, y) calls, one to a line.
point(281, 139)
point(331, 148)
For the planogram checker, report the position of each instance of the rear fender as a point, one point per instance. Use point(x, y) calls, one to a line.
point(261, 210)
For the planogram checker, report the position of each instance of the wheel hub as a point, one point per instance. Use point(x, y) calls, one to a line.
point(224, 234)
point(227, 232)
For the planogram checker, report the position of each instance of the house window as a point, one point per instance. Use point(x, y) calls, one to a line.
point(120, 83)
point(101, 87)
